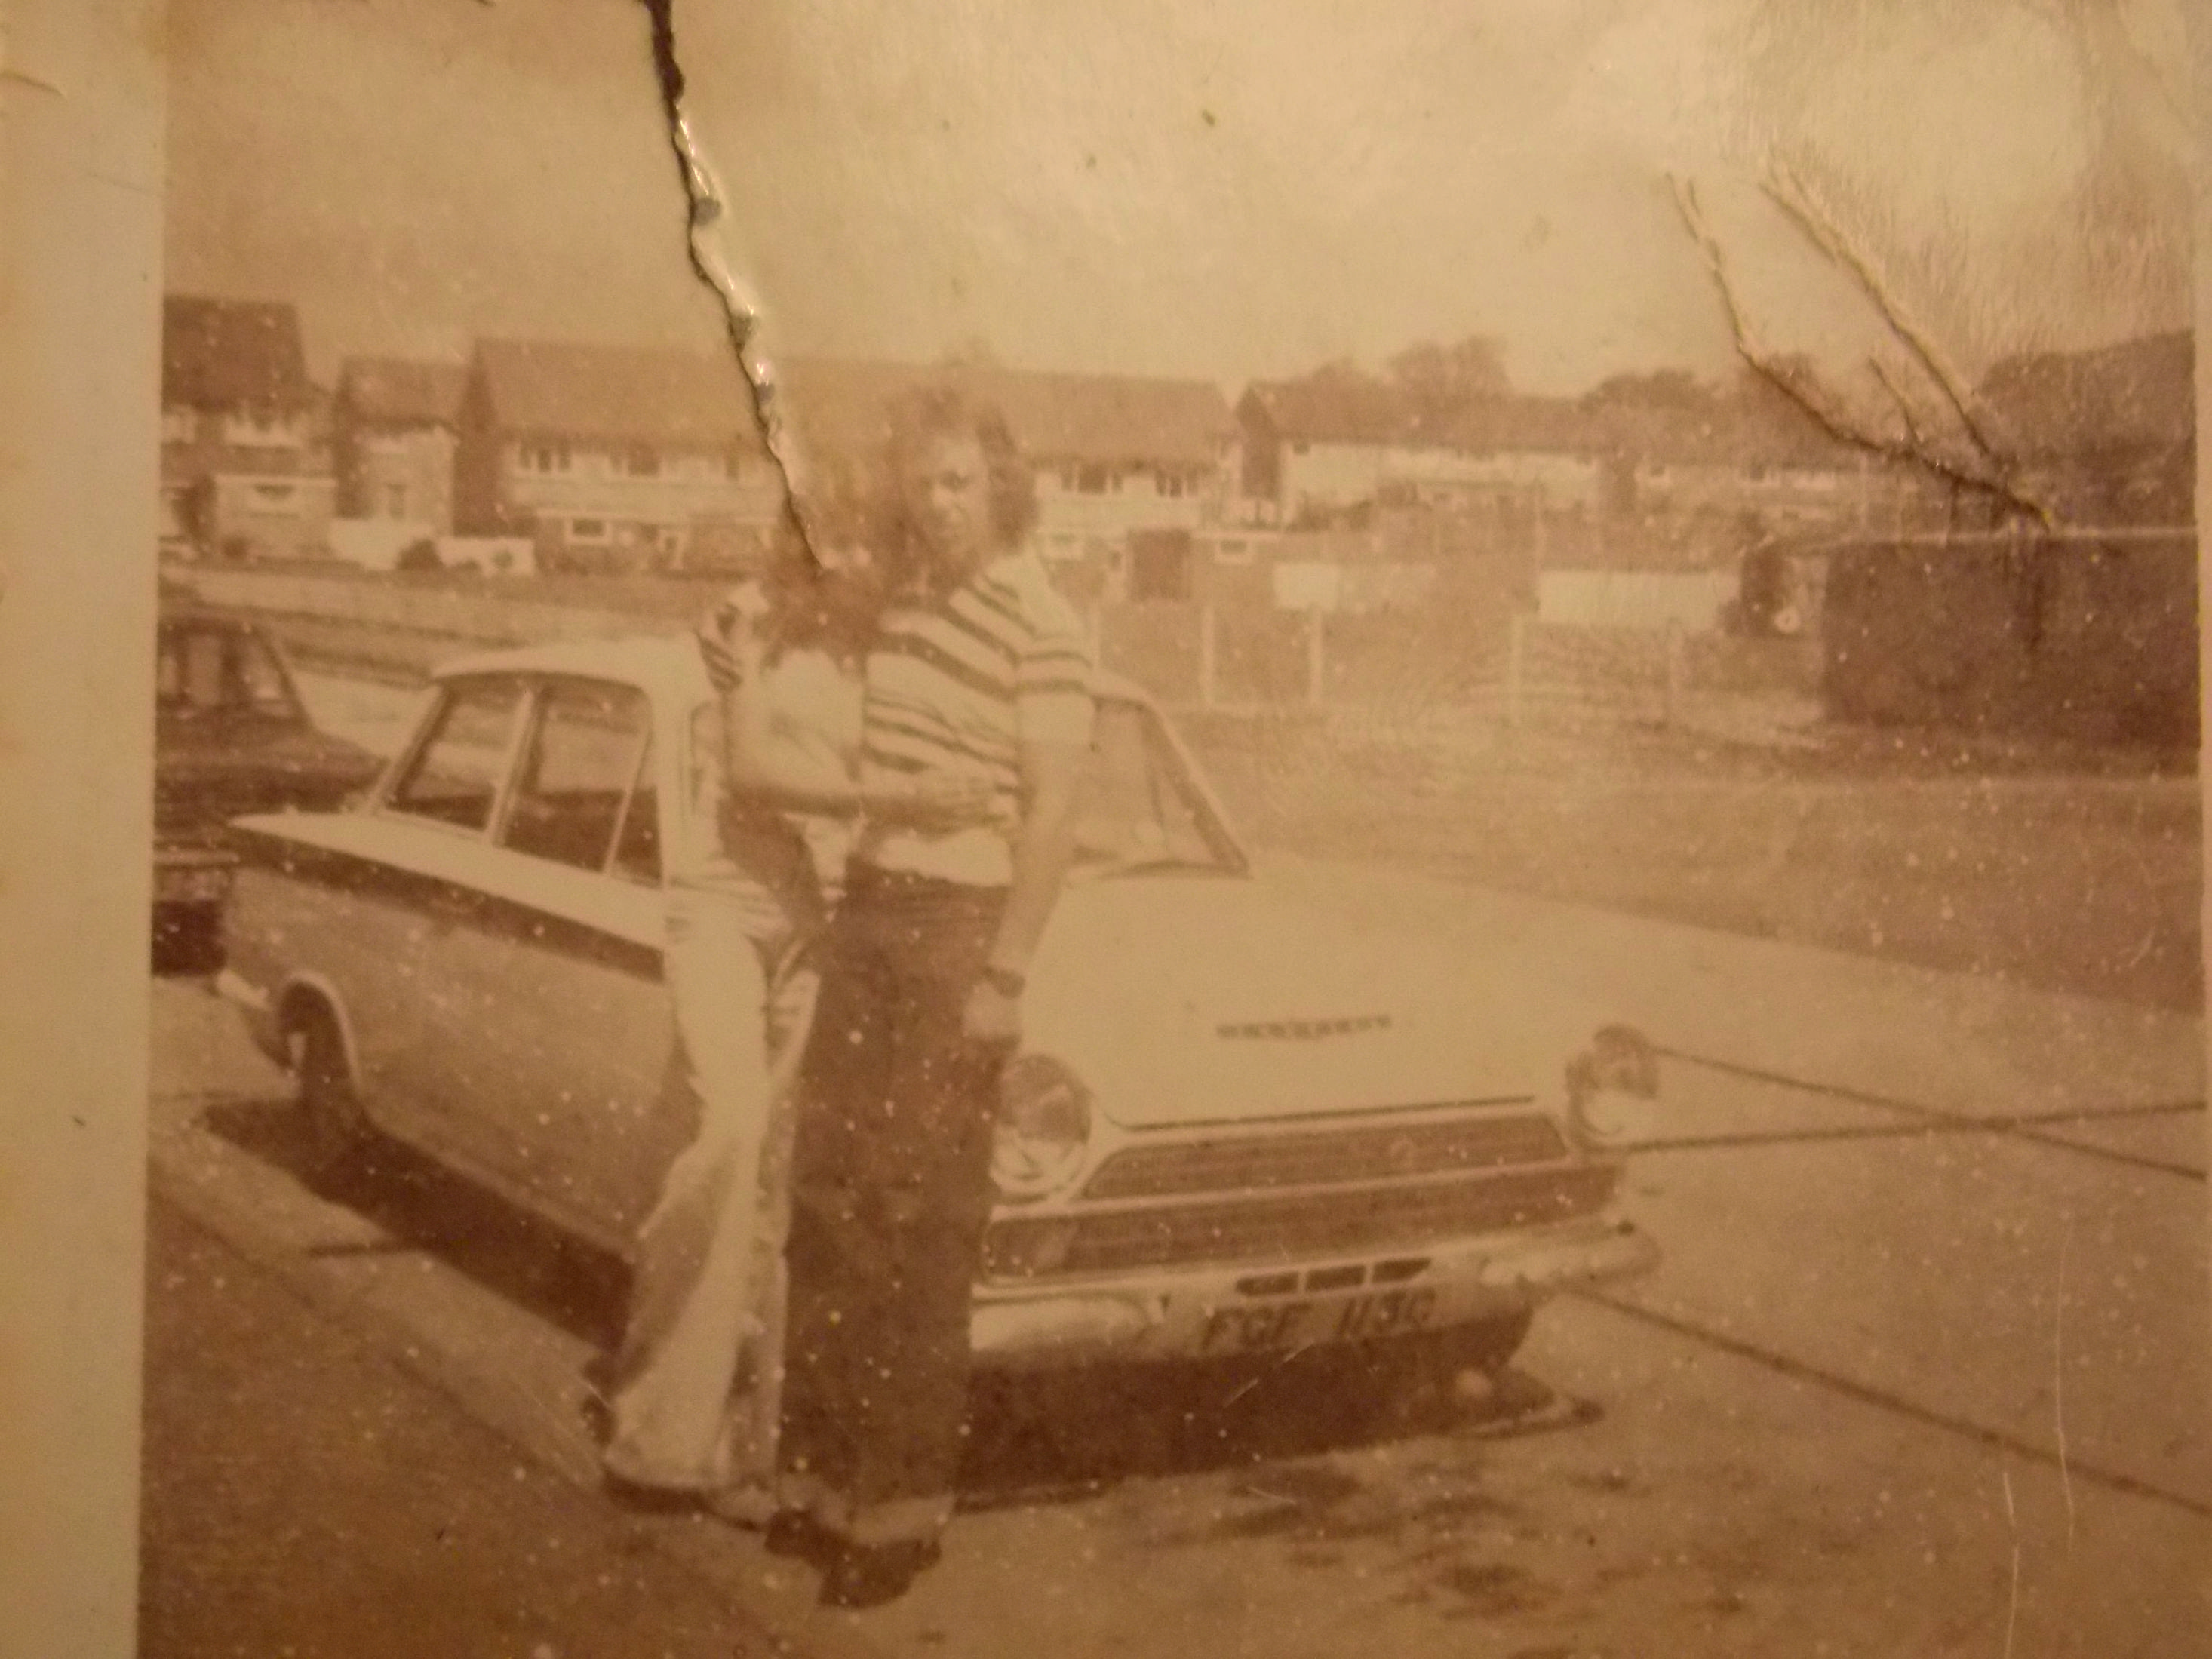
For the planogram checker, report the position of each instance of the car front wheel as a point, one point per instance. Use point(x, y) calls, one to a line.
point(1487, 1345)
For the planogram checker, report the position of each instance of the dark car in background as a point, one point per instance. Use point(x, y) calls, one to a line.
point(231, 737)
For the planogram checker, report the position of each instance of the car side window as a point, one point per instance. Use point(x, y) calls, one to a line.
point(218, 668)
point(1127, 805)
point(190, 678)
point(456, 773)
point(261, 683)
point(578, 771)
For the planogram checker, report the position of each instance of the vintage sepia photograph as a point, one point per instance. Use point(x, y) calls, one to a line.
point(1250, 827)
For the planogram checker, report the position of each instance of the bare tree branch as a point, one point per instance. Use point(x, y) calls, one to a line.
point(1807, 392)
point(1788, 191)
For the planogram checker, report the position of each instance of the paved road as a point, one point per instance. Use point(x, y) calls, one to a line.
point(1907, 1382)
point(1923, 1371)
point(307, 1494)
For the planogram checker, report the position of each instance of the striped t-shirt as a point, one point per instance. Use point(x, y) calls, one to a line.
point(958, 681)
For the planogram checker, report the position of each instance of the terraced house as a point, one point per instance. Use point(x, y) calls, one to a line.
point(612, 457)
point(245, 467)
point(393, 426)
point(1129, 467)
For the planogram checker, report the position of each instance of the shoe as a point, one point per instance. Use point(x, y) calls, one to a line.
point(869, 1575)
point(797, 1535)
point(643, 1499)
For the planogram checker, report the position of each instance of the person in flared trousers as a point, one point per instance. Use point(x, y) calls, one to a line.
point(693, 1403)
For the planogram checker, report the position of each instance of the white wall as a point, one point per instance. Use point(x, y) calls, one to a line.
point(1692, 600)
point(80, 188)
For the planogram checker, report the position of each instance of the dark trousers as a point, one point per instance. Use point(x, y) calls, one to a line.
point(891, 1190)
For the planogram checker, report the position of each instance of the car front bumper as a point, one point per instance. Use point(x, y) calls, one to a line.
point(1216, 1311)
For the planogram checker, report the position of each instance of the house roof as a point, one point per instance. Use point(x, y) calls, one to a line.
point(2137, 395)
point(226, 354)
point(618, 393)
point(401, 391)
point(1337, 410)
point(837, 407)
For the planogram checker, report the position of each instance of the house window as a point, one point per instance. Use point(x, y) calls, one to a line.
point(276, 498)
point(1232, 549)
point(395, 500)
point(252, 429)
point(641, 461)
point(177, 424)
point(588, 530)
point(544, 457)
point(1094, 480)
point(1172, 484)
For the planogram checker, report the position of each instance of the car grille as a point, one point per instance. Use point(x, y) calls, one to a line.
point(1289, 1227)
point(1330, 1157)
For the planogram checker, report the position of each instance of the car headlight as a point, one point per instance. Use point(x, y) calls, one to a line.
point(1612, 1089)
point(1043, 1128)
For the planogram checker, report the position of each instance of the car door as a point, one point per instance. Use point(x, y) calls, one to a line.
point(547, 1027)
point(393, 934)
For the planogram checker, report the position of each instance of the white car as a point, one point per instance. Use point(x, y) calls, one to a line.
point(1234, 1126)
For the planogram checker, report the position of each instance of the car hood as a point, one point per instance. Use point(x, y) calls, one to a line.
point(1187, 999)
point(203, 779)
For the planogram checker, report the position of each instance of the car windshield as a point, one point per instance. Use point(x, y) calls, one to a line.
point(1139, 808)
point(217, 668)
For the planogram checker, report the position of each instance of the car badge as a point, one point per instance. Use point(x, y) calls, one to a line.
point(1304, 1029)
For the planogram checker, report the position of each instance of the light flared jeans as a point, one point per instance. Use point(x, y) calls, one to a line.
point(697, 1386)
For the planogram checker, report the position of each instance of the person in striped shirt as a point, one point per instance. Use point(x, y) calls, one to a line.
point(755, 860)
point(978, 668)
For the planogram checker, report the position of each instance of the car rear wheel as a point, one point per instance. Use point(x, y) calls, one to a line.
point(337, 1135)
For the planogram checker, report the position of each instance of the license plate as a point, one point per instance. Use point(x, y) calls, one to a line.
point(1302, 1322)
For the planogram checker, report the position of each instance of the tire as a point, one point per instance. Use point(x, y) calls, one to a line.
point(337, 1136)
point(1440, 1372)
point(1487, 1346)
point(1412, 1383)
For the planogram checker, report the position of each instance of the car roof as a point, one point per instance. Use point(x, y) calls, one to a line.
point(664, 661)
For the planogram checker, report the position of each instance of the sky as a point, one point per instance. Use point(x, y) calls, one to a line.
point(1218, 188)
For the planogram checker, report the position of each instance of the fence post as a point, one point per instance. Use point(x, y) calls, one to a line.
point(1206, 655)
point(1671, 710)
point(1316, 657)
point(1516, 649)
